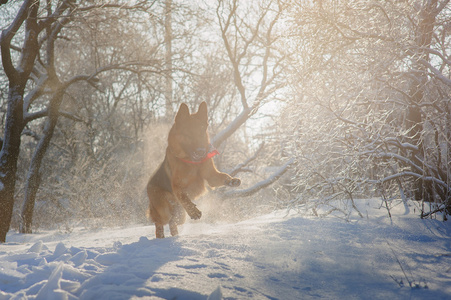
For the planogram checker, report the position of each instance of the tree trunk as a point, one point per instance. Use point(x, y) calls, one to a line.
point(9, 156)
point(18, 78)
point(168, 58)
point(34, 178)
point(425, 31)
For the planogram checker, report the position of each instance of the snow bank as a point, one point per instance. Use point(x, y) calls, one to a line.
point(277, 256)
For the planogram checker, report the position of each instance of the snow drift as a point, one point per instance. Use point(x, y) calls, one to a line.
point(277, 256)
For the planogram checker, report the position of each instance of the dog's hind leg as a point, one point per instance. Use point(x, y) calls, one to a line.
point(173, 228)
point(178, 218)
point(159, 231)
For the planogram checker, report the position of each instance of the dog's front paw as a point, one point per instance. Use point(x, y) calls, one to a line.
point(233, 182)
point(194, 213)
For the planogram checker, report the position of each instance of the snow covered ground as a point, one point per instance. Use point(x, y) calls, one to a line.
point(276, 256)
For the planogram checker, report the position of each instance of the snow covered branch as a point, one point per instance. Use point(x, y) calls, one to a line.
point(413, 174)
point(223, 135)
point(262, 184)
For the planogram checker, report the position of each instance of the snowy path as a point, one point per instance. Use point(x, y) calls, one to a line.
point(270, 257)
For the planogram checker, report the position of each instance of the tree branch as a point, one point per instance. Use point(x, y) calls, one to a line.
point(436, 72)
point(262, 184)
point(6, 37)
point(232, 57)
point(412, 174)
point(240, 167)
point(224, 134)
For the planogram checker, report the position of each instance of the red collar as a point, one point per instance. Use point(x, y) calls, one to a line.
point(209, 155)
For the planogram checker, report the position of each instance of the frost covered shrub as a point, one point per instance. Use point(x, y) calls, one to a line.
point(370, 112)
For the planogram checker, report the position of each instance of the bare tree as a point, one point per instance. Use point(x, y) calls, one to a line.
point(250, 41)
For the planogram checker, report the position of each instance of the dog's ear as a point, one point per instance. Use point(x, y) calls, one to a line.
point(182, 114)
point(202, 113)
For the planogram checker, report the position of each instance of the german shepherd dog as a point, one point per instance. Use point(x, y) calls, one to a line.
point(181, 177)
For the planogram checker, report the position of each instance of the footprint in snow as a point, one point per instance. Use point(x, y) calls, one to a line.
point(195, 266)
point(217, 275)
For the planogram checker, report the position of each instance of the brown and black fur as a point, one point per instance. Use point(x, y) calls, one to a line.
point(176, 182)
